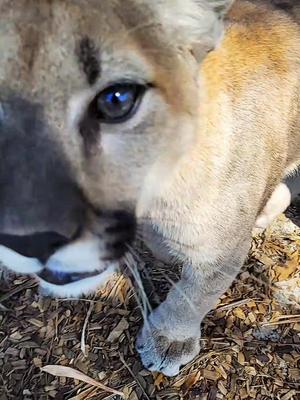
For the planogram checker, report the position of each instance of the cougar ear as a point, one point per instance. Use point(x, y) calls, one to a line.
point(219, 6)
point(214, 11)
point(196, 25)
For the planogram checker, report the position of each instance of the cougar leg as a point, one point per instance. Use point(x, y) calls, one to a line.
point(277, 204)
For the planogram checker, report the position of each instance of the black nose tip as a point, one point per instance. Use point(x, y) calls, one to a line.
point(37, 245)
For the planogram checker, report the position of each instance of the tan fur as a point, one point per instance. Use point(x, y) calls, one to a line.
point(215, 134)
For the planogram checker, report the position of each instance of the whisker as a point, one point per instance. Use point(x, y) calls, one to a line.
point(143, 304)
point(146, 272)
point(170, 240)
point(139, 304)
point(164, 220)
point(134, 270)
point(181, 292)
point(139, 235)
point(222, 271)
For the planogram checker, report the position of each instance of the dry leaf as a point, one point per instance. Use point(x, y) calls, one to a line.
point(67, 372)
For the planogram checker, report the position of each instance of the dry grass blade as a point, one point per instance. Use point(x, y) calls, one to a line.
point(234, 305)
point(290, 316)
point(67, 372)
point(282, 322)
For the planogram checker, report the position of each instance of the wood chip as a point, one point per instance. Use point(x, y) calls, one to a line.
point(210, 375)
point(289, 395)
point(239, 313)
point(118, 330)
point(241, 358)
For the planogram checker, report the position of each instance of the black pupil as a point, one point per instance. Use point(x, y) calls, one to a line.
point(116, 102)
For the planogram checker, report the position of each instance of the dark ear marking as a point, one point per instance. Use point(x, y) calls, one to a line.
point(88, 57)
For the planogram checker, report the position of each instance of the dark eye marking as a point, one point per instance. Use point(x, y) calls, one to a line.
point(88, 57)
point(89, 129)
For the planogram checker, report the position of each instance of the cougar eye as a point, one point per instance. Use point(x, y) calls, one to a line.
point(117, 103)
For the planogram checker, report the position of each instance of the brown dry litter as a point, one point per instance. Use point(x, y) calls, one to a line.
point(250, 343)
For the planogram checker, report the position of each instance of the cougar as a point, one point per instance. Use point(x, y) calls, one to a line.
point(119, 116)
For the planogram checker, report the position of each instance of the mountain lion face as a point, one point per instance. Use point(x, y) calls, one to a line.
point(115, 115)
point(98, 103)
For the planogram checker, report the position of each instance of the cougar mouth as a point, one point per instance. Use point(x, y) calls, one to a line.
point(73, 266)
point(61, 278)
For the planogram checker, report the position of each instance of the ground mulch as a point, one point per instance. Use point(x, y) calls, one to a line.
point(250, 341)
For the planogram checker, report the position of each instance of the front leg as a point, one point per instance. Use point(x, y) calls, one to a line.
point(171, 335)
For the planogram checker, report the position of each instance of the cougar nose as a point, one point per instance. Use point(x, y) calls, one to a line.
point(37, 245)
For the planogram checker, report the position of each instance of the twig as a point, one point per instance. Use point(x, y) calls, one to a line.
point(82, 341)
point(250, 341)
point(133, 376)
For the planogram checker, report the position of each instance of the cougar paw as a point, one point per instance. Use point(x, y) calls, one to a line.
point(162, 353)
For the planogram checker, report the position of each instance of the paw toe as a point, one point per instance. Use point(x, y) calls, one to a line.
point(158, 353)
point(171, 370)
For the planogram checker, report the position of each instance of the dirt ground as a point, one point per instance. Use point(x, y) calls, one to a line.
point(250, 342)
